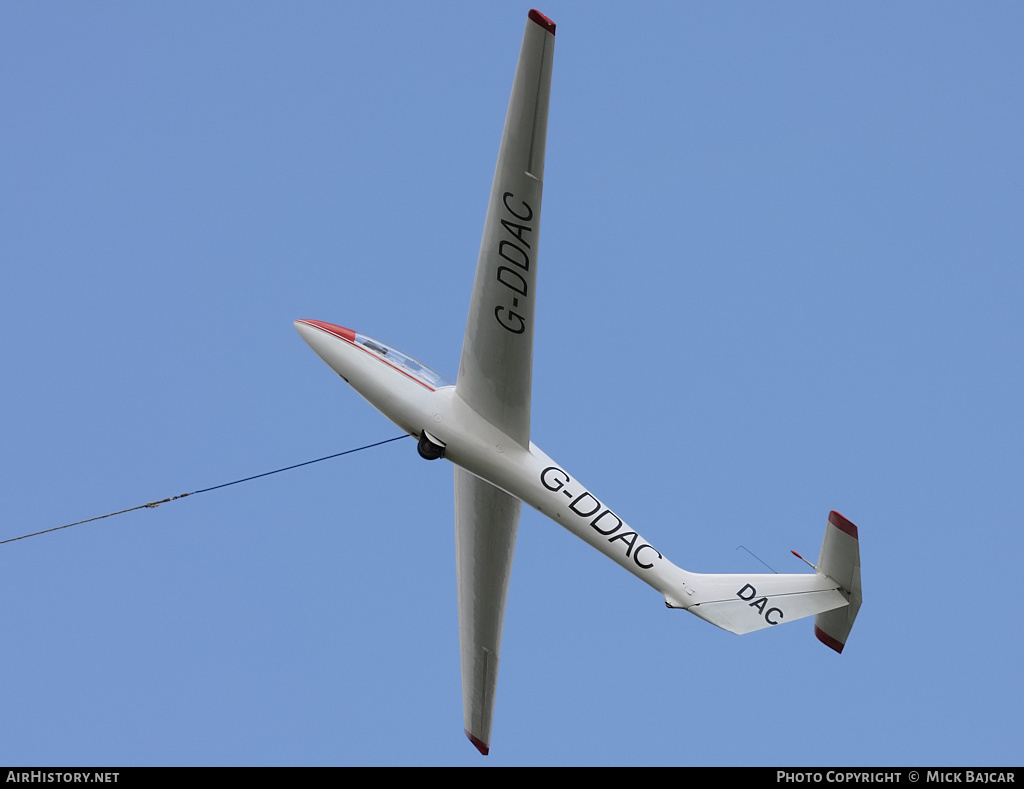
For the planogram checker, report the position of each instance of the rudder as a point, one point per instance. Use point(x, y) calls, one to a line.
point(840, 561)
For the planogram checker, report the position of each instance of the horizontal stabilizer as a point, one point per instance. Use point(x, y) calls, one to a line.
point(745, 603)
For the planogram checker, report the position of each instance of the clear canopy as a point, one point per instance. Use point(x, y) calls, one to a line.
point(404, 362)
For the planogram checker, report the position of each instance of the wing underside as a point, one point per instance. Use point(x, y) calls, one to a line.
point(495, 372)
point(486, 521)
point(497, 354)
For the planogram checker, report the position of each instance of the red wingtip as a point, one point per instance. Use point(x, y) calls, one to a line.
point(480, 746)
point(542, 20)
point(842, 524)
point(828, 641)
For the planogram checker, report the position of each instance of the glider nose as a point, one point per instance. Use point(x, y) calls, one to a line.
point(330, 342)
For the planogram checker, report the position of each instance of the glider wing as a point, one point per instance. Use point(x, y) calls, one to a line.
point(495, 372)
point(486, 520)
point(497, 354)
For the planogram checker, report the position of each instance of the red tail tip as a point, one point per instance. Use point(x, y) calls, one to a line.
point(828, 641)
point(842, 524)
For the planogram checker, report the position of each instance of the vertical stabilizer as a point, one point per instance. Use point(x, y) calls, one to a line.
point(840, 561)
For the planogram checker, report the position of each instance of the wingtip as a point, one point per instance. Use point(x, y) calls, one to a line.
point(542, 20)
point(478, 744)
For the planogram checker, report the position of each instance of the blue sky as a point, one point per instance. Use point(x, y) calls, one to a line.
point(780, 273)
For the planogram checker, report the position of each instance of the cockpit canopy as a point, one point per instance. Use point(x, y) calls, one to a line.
point(403, 362)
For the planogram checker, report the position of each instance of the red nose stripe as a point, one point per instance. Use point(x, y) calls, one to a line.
point(330, 328)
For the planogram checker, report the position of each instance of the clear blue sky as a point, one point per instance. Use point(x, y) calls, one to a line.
point(780, 273)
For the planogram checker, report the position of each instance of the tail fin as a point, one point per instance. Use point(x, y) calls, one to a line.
point(744, 603)
point(840, 561)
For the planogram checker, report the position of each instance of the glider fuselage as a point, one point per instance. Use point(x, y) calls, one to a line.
point(417, 403)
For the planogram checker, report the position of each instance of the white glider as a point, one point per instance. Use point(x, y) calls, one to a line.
point(482, 425)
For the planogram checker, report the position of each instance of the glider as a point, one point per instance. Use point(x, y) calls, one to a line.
point(481, 423)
